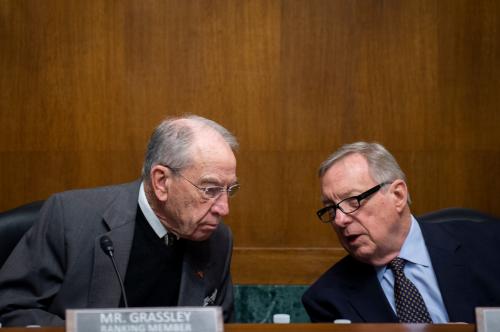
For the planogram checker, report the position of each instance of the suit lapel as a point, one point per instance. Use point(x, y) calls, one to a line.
point(451, 272)
point(367, 297)
point(119, 218)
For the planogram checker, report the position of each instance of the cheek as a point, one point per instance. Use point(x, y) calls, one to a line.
point(375, 235)
point(372, 229)
point(374, 220)
point(382, 231)
point(181, 207)
point(195, 211)
point(186, 202)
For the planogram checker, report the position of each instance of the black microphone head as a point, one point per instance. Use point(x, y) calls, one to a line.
point(107, 245)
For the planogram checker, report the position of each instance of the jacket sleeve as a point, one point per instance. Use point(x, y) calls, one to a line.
point(34, 271)
point(317, 312)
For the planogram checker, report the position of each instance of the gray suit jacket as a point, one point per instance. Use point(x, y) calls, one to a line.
point(59, 264)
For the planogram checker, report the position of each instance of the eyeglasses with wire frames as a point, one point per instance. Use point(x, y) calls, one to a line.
point(210, 192)
point(347, 205)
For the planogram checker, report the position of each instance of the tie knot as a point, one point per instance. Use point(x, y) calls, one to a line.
point(397, 265)
point(170, 239)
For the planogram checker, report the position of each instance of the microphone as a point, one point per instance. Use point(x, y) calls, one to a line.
point(108, 248)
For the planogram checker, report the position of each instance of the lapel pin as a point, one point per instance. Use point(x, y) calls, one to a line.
point(200, 274)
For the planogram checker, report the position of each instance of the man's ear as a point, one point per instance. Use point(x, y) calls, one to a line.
point(399, 192)
point(160, 180)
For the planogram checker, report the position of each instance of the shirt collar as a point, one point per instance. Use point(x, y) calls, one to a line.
point(150, 216)
point(413, 249)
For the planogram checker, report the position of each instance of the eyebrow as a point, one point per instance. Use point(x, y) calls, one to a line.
point(352, 193)
point(326, 201)
point(214, 181)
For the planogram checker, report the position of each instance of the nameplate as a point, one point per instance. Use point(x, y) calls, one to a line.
point(171, 319)
point(488, 319)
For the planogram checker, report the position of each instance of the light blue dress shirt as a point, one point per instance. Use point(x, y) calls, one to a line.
point(419, 270)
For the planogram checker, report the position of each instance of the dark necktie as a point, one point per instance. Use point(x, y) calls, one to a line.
point(410, 305)
point(170, 239)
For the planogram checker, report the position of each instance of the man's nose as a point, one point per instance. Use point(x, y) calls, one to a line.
point(221, 205)
point(341, 219)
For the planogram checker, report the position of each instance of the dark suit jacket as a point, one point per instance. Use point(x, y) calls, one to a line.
point(59, 264)
point(465, 257)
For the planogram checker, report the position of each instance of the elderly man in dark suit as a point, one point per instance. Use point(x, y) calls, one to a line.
point(169, 240)
point(398, 268)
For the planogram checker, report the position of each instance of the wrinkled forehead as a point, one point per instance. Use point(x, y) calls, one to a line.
point(211, 156)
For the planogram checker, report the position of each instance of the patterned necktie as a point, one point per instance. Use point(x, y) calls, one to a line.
point(410, 305)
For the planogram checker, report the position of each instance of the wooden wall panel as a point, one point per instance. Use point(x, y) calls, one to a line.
point(82, 84)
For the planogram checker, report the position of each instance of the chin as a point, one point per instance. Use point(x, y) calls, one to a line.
point(363, 255)
point(200, 236)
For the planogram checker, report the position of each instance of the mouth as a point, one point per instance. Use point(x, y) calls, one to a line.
point(351, 239)
point(209, 226)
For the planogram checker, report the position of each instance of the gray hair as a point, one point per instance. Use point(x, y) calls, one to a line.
point(382, 164)
point(170, 142)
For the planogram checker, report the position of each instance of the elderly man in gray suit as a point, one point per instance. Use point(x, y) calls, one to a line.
point(166, 229)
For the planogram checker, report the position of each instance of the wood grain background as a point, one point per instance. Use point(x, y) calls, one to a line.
point(84, 82)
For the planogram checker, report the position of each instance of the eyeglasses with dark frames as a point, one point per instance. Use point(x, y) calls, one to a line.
point(347, 205)
point(210, 192)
